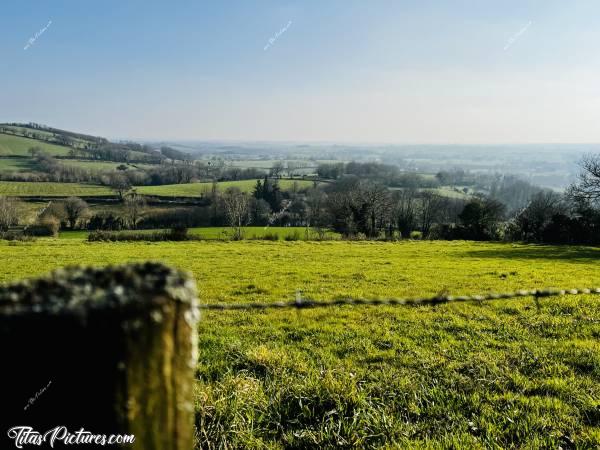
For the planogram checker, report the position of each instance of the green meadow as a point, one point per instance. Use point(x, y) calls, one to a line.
point(502, 374)
point(225, 233)
point(198, 189)
point(16, 165)
point(50, 189)
point(19, 146)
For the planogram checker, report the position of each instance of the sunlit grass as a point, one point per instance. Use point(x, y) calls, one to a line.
point(198, 189)
point(498, 375)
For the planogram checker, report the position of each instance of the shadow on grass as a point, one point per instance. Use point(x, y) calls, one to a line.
point(578, 254)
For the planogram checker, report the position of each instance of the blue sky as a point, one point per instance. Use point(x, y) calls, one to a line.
point(342, 71)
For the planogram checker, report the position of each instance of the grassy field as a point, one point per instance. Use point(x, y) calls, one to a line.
point(196, 189)
point(498, 375)
point(92, 165)
point(47, 135)
point(214, 233)
point(16, 165)
point(18, 146)
point(444, 191)
point(19, 189)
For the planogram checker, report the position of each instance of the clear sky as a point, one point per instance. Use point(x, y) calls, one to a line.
point(395, 71)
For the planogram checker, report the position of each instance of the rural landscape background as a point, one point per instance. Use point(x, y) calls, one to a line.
point(330, 152)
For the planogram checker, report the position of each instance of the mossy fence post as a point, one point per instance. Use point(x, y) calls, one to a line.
point(112, 351)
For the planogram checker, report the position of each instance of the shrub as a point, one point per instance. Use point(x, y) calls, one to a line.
point(416, 235)
point(172, 217)
point(15, 236)
point(156, 236)
point(106, 221)
point(47, 226)
point(295, 236)
point(179, 233)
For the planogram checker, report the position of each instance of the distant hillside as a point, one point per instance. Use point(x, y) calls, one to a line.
point(52, 135)
point(11, 145)
point(62, 143)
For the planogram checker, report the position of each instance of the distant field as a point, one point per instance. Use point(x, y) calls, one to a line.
point(93, 165)
point(16, 165)
point(16, 189)
point(451, 193)
point(443, 191)
point(23, 130)
point(268, 163)
point(18, 146)
point(45, 134)
point(27, 164)
point(197, 189)
point(213, 233)
point(502, 374)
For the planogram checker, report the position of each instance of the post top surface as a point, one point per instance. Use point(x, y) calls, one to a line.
point(79, 289)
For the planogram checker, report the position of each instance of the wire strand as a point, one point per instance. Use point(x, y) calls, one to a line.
point(301, 303)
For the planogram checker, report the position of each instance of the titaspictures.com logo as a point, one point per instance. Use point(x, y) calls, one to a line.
point(25, 435)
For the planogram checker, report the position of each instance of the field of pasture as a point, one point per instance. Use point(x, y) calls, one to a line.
point(225, 233)
point(502, 374)
point(197, 189)
point(50, 189)
point(19, 146)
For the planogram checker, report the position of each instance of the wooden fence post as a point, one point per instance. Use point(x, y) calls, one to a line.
point(112, 351)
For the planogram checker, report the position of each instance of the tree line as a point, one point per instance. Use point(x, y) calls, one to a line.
point(363, 208)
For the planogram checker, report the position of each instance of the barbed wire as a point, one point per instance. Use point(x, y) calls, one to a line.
point(301, 303)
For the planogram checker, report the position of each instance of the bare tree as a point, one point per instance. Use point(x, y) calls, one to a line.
point(9, 213)
point(237, 210)
point(587, 187)
point(360, 206)
point(277, 169)
point(119, 183)
point(405, 211)
point(75, 209)
point(133, 205)
point(374, 207)
point(430, 209)
point(532, 220)
point(316, 212)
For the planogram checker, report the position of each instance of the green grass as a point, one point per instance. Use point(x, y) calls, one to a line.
point(498, 375)
point(16, 165)
point(268, 163)
point(16, 188)
point(450, 193)
point(104, 165)
point(213, 233)
point(45, 134)
point(23, 189)
point(444, 191)
point(23, 130)
point(18, 146)
point(92, 165)
point(197, 189)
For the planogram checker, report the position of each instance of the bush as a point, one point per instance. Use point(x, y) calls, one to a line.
point(270, 236)
point(47, 226)
point(106, 221)
point(15, 236)
point(179, 233)
point(174, 217)
point(416, 235)
point(295, 236)
point(156, 236)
